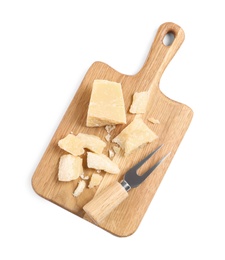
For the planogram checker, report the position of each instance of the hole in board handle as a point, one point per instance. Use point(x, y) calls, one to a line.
point(168, 39)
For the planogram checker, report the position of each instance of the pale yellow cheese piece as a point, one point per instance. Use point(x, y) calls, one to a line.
point(111, 153)
point(75, 144)
point(109, 128)
point(136, 134)
point(95, 180)
point(70, 167)
point(92, 142)
point(106, 106)
point(140, 102)
point(101, 162)
point(80, 188)
point(84, 177)
point(153, 120)
point(71, 144)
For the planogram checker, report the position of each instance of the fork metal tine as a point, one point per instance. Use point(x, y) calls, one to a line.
point(148, 172)
point(138, 165)
point(132, 179)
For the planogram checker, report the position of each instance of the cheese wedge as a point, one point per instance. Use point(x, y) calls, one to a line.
point(140, 102)
point(75, 144)
point(136, 134)
point(106, 106)
point(101, 162)
point(70, 167)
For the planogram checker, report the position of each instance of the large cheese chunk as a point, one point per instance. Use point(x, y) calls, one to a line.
point(101, 162)
point(106, 105)
point(70, 167)
point(136, 134)
point(139, 103)
point(75, 144)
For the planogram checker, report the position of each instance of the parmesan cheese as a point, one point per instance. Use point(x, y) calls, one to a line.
point(95, 180)
point(109, 128)
point(71, 144)
point(111, 153)
point(101, 162)
point(92, 142)
point(70, 167)
point(106, 106)
point(140, 101)
point(80, 187)
point(83, 177)
point(153, 120)
point(135, 135)
point(76, 144)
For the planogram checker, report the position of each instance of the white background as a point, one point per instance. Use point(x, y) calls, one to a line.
point(45, 49)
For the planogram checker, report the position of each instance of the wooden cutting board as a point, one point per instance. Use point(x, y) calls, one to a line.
point(174, 120)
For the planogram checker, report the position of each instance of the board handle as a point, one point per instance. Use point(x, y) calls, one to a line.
point(160, 53)
point(104, 202)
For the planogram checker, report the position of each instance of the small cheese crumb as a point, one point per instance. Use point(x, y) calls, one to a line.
point(81, 186)
point(95, 180)
point(84, 177)
point(153, 120)
point(111, 154)
point(109, 128)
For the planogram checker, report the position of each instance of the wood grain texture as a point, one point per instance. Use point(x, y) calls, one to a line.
point(104, 202)
point(174, 120)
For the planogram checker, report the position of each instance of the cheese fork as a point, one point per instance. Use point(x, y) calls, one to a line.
point(107, 200)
